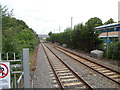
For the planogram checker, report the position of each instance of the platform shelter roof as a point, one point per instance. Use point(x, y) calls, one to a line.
point(113, 25)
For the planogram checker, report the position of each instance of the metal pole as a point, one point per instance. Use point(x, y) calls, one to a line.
point(12, 83)
point(15, 86)
point(0, 31)
point(71, 22)
point(119, 19)
point(59, 29)
point(7, 56)
point(19, 80)
point(0, 57)
point(107, 42)
point(26, 68)
point(14, 57)
point(18, 85)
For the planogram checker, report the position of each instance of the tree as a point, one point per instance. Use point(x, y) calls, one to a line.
point(113, 51)
point(77, 37)
point(109, 21)
point(16, 35)
point(5, 12)
point(94, 21)
point(67, 37)
point(90, 34)
point(50, 33)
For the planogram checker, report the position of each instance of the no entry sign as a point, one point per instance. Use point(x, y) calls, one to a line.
point(4, 75)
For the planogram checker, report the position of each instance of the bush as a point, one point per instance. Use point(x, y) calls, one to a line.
point(113, 51)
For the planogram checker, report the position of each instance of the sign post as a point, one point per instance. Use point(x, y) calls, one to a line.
point(4, 75)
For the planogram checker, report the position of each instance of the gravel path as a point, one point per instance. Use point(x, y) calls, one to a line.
point(93, 78)
point(43, 74)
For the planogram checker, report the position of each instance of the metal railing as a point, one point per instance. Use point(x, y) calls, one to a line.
point(24, 70)
point(20, 78)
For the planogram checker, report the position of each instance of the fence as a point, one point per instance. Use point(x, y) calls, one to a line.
point(19, 70)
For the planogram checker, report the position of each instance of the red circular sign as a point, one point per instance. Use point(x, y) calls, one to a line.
point(4, 74)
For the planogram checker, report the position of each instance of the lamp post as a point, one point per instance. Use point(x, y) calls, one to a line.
point(71, 22)
point(59, 29)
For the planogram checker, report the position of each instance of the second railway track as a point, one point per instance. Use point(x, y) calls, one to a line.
point(105, 71)
point(65, 76)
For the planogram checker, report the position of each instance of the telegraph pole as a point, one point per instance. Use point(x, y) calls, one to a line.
point(54, 31)
point(59, 29)
point(71, 22)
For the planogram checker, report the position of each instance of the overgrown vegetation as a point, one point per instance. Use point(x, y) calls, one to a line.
point(113, 51)
point(16, 35)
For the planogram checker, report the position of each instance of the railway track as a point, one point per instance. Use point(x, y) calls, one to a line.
point(65, 76)
point(105, 71)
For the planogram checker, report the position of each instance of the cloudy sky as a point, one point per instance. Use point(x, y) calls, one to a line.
point(44, 16)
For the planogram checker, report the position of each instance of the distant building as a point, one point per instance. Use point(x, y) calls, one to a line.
point(43, 36)
point(109, 32)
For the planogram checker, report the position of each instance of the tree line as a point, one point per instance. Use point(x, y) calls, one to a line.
point(16, 35)
point(84, 37)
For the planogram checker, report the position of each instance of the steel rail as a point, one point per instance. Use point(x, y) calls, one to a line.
point(88, 65)
point(61, 86)
point(81, 79)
